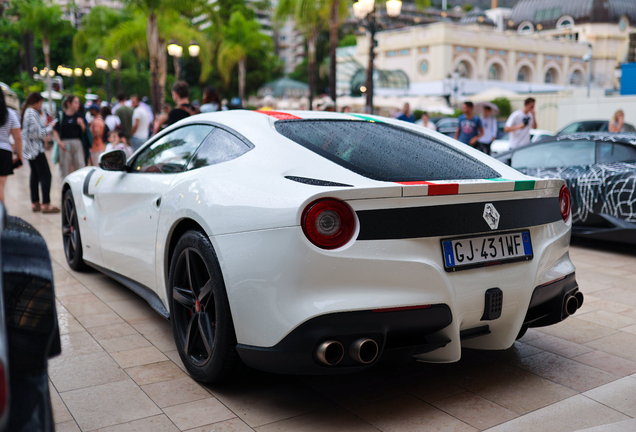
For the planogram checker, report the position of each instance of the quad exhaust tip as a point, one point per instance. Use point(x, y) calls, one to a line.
point(330, 353)
point(364, 350)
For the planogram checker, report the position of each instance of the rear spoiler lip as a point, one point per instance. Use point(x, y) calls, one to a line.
point(460, 187)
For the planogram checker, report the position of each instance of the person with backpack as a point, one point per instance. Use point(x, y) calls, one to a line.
point(182, 109)
point(68, 133)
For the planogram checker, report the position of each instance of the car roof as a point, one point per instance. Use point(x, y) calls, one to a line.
point(626, 137)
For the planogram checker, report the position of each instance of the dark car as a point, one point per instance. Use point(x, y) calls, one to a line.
point(447, 126)
point(600, 170)
point(29, 332)
point(591, 126)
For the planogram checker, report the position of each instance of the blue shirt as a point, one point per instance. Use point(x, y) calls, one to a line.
point(468, 128)
point(410, 119)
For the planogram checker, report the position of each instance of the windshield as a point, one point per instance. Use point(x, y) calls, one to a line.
point(384, 152)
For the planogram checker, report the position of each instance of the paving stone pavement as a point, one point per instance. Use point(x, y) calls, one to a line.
point(120, 370)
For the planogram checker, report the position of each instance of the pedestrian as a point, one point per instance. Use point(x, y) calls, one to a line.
point(97, 130)
point(211, 101)
point(141, 124)
point(519, 124)
point(182, 109)
point(406, 114)
point(424, 121)
point(34, 130)
point(125, 113)
point(160, 118)
point(68, 134)
point(346, 109)
point(618, 122)
point(490, 130)
point(112, 121)
point(115, 142)
point(469, 128)
point(9, 127)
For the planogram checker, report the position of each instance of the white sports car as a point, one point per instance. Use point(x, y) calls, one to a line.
point(316, 242)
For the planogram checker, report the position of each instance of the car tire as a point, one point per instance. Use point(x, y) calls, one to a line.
point(71, 234)
point(200, 313)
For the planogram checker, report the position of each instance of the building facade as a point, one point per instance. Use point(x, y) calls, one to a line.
point(545, 46)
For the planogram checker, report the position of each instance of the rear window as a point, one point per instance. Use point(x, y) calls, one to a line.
point(384, 152)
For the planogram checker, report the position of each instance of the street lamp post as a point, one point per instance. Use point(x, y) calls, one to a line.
point(102, 63)
point(176, 51)
point(364, 10)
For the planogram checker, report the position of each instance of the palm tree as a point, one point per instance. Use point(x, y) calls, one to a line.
point(134, 34)
point(157, 13)
point(89, 41)
point(310, 17)
point(240, 36)
point(45, 21)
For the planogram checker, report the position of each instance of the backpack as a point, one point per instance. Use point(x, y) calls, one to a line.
point(106, 132)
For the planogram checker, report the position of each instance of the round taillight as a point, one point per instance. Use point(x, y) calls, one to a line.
point(565, 203)
point(328, 223)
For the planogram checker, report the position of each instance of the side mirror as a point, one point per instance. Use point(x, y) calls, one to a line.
point(114, 160)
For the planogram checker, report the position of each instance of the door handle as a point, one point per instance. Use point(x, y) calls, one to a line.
point(158, 202)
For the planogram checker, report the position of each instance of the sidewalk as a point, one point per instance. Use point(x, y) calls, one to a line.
point(120, 372)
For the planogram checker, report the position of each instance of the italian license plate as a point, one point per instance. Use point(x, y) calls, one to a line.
point(482, 251)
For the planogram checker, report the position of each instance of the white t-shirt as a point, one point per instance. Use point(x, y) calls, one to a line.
point(142, 131)
point(12, 122)
point(430, 124)
point(490, 129)
point(522, 136)
point(112, 121)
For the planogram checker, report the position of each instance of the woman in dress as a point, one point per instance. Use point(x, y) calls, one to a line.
point(33, 133)
point(9, 127)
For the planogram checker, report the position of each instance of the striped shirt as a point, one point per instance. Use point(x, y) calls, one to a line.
point(33, 133)
point(12, 122)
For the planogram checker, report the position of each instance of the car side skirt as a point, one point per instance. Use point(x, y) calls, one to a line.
point(143, 291)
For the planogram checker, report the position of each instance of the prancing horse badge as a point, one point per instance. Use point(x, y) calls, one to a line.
point(491, 216)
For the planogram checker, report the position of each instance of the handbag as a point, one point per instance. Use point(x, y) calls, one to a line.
point(55, 154)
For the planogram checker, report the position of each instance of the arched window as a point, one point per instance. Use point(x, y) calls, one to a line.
point(494, 72)
point(551, 76)
point(564, 22)
point(525, 27)
point(464, 69)
point(524, 74)
point(576, 78)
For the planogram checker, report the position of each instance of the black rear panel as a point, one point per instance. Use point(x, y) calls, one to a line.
point(384, 152)
point(455, 219)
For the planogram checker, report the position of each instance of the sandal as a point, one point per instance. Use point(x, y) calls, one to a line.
point(36, 207)
point(48, 208)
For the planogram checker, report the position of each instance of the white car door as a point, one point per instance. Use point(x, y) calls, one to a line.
point(129, 203)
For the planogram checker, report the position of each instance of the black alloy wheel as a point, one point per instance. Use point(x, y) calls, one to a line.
point(71, 233)
point(200, 314)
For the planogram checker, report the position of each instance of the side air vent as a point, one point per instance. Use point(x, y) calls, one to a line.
point(316, 182)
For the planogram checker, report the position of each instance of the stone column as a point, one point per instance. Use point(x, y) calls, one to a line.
point(482, 73)
point(540, 78)
point(512, 62)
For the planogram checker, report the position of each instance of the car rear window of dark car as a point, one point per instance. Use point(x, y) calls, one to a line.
point(384, 152)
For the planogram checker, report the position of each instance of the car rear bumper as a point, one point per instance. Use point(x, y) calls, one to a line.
point(397, 333)
point(400, 334)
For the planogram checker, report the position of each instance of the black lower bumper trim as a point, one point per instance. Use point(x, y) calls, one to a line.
point(546, 305)
point(398, 333)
